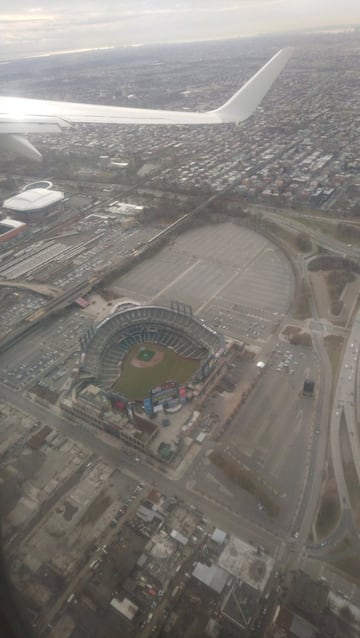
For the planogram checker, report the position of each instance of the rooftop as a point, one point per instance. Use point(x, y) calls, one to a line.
point(180, 538)
point(8, 224)
point(124, 607)
point(218, 536)
point(244, 562)
point(214, 577)
point(241, 604)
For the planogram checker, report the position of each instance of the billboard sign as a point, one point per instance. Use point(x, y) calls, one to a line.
point(163, 387)
point(164, 392)
point(182, 394)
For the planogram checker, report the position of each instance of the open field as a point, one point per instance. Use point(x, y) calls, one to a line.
point(136, 383)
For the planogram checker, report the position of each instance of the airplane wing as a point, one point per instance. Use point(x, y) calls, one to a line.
point(19, 116)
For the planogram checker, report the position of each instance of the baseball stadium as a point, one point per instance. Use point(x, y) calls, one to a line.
point(149, 355)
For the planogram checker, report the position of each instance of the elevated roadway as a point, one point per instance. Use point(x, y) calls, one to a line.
point(347, 390)
point(47, 290)
point(32, 321)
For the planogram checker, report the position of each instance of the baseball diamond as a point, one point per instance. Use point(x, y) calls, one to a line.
point(133, 350)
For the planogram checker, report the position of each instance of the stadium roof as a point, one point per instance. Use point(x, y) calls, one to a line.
point(12, 223)
point(33, 199)
point(44, 183)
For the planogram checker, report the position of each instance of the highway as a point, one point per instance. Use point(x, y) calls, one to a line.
point(281, 218)
point(317, 446)
point(343, 411)
point(347, 390)
point(42, 289)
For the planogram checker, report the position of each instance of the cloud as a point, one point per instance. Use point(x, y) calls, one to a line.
point(90, 23)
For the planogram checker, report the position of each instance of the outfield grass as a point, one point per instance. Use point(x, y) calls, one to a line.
point(136, 383)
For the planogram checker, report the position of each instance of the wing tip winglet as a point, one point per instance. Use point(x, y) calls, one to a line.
point(244, 102)
point(20, 146)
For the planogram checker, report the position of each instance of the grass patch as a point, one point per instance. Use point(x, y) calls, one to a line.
point(349, 233)
point(350, 566)
point(321, 250)
point(280, 232)
point(328, 515)
point(319, 224)
point(332, 262)
point(334, 345)
point(346, 614)
point(341, 547)
point(336, 282)
point(246, 479)
point(297, 337)
point(344, 231)
point(299, 241)
point(303, 242)
point(352, 482)
point(302, 303)
point(96, 508)
point(136, 383)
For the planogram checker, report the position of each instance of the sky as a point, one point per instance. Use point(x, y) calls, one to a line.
point(30, 28)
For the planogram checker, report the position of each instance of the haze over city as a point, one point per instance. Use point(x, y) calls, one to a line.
point(30, 29)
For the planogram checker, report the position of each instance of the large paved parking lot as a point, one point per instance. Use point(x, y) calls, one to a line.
point(233, 277)
point(271, 435)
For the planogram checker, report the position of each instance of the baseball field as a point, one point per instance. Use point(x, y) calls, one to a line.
point(147, 365)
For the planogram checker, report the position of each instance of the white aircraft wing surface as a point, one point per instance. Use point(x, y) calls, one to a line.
point(19, 116)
